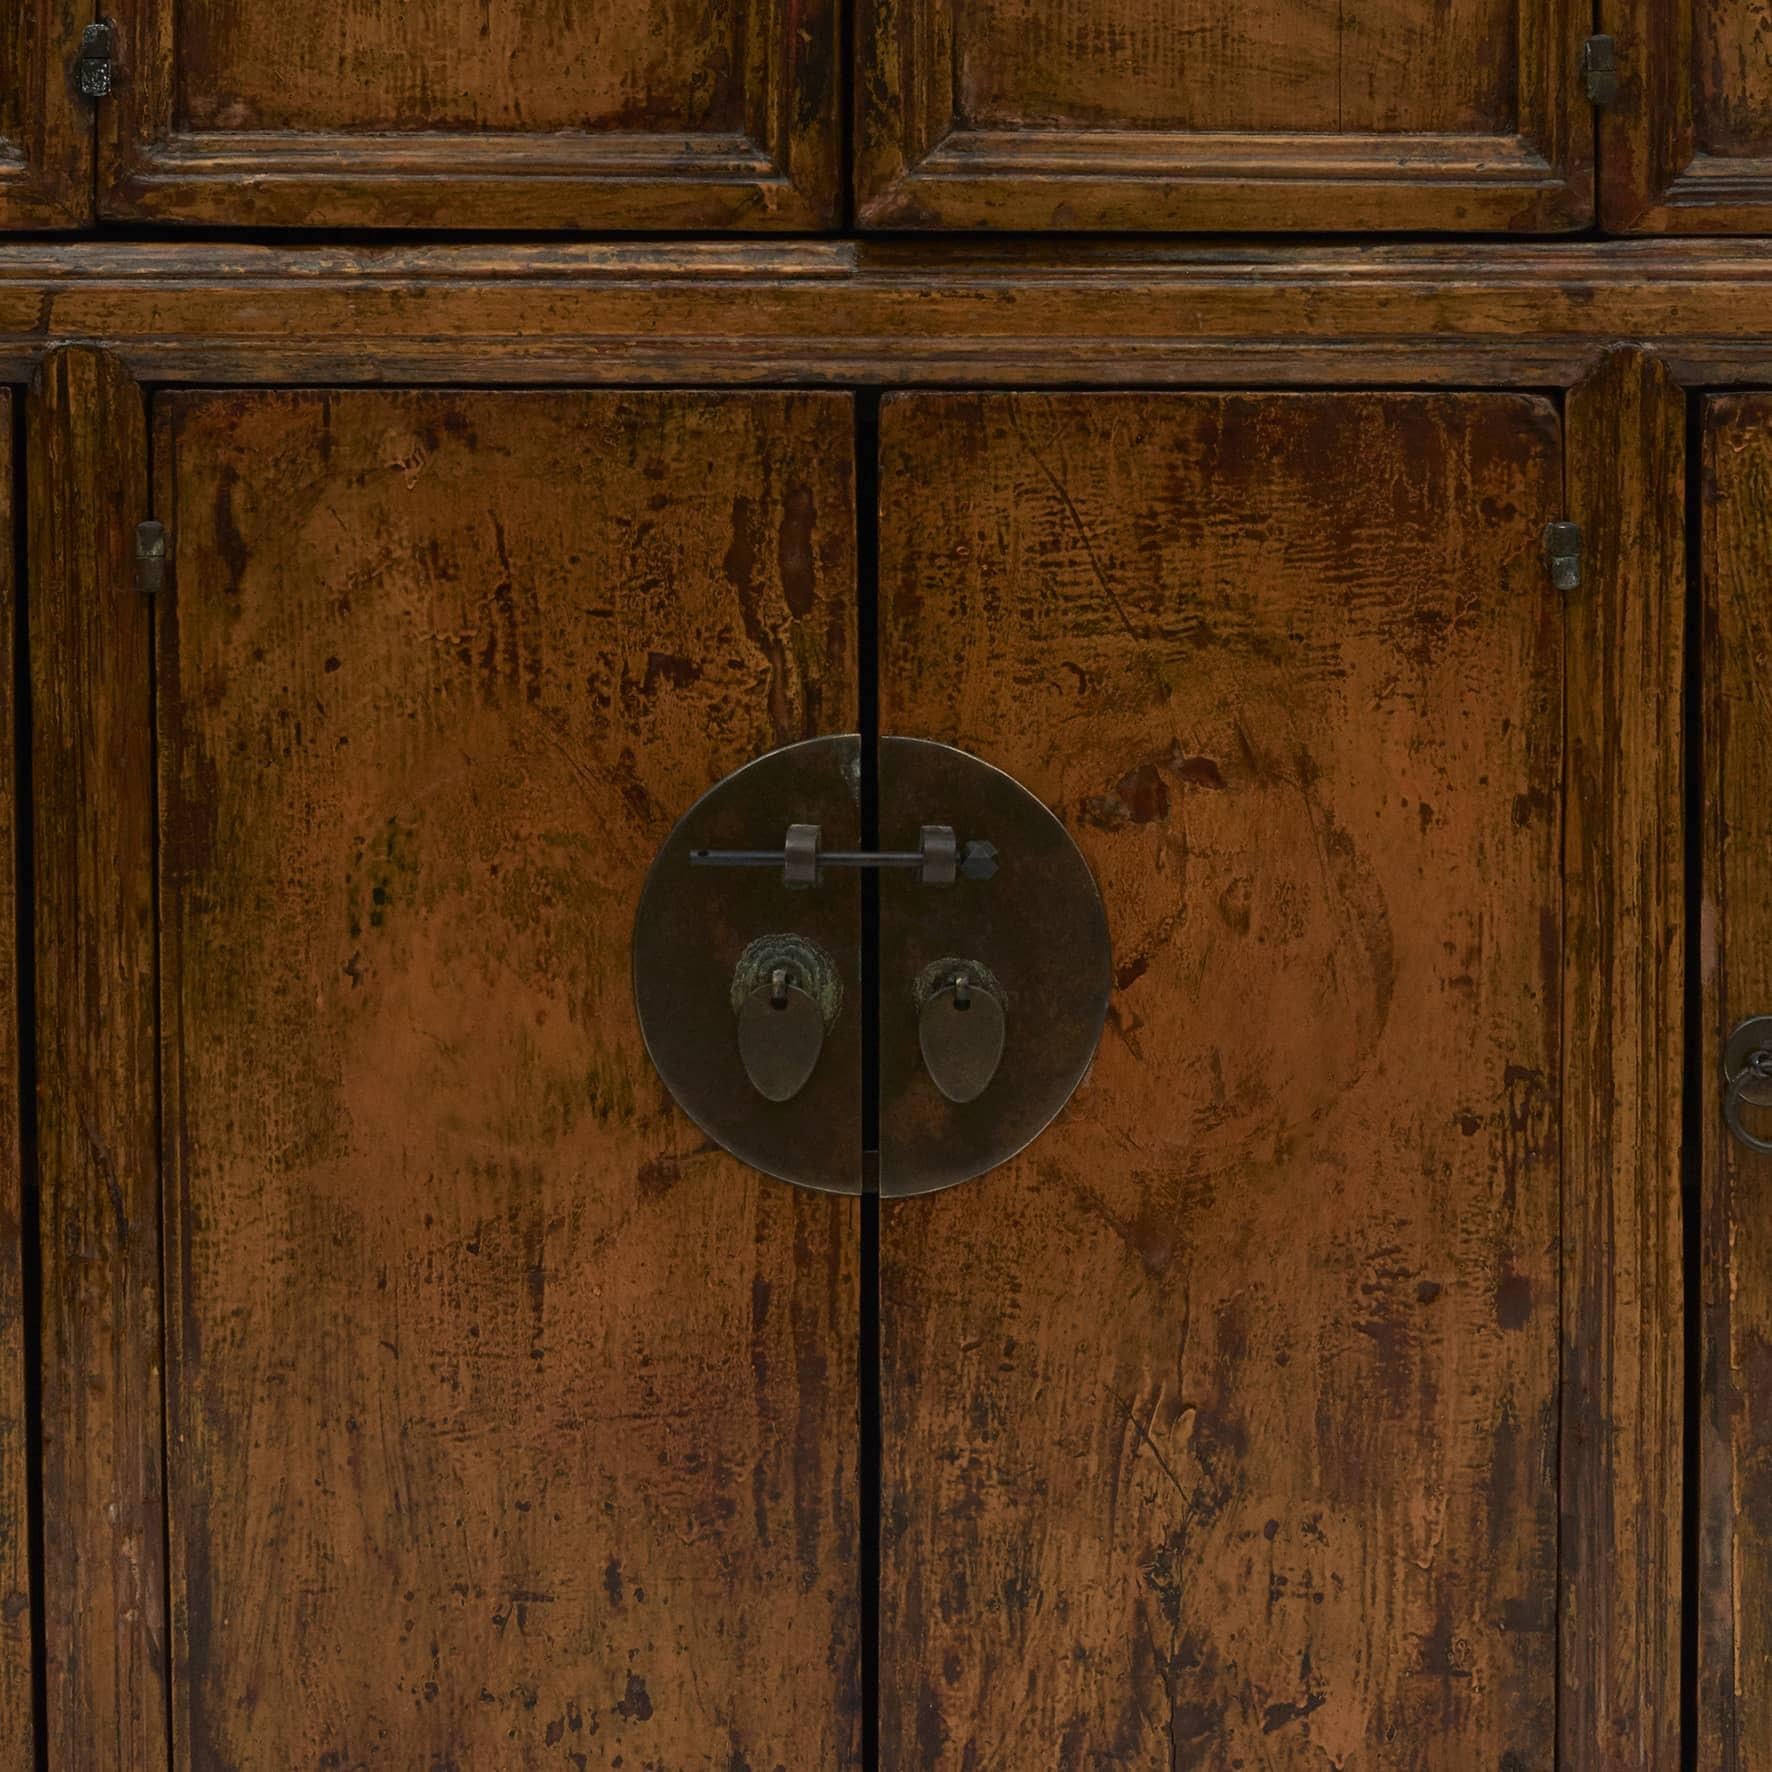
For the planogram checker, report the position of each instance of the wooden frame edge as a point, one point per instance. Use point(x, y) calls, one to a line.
point(1623, 1009)
point(98, 1112)
point(893, 314)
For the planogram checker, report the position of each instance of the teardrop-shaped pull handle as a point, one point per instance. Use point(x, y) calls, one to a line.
point(962, 1029)
point(786, 993)
point(780, 1035)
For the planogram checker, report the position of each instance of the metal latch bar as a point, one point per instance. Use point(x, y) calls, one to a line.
point(938, 858)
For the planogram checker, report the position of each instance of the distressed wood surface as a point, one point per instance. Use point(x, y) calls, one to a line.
point(704, 313)
point(513, 1423)
point(17, 1704)
point(45, 131)
point(97, 1112)
point(1623, 1000)
point(1220, 1428)
point(1460, 115)
point(1687, 147)
point(630, 114)
point(1735, 1445)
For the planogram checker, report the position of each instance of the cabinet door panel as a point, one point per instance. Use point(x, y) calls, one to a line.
point(15, 1577)
point(439, 114)
point(1735, 1447)
point(1454, 114)
point(45, 131)
point(1688, 145)
point(511, 1421)
point(1221, 1426)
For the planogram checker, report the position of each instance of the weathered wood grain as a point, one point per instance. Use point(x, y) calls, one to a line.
point(630, 114)
point(1223, 114)
point(512, 1423)
point(896, 313)
point(1624, 1009)
point(92, 747)
point(1735, 1446)
point(1221, 1427)
point(45, 131)
point(17, 1703)
point(1687, 148)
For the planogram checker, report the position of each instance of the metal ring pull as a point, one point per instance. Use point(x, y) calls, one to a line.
point(1747, 1072)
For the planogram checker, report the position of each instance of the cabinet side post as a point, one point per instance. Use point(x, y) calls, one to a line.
point(97, 1117)
point(1623, 1041)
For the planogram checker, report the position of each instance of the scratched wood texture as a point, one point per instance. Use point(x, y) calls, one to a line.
point(441, 114)
point(1735, 1445)
point(1223, 114)
point(1221, 1427)
point(511, 1423)
point(1624, 901)
point(1326, 66)
point(17, 1705)
point(97, 1131)
point(1687, 147)
point(45, 131)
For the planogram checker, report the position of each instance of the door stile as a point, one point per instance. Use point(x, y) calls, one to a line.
point(98, 1124)
point(1623, 1057)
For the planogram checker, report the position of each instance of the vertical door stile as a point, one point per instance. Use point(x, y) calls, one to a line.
point(1734, 1698)
point(17, 1699)
point(97, 1126)
point(1623, 1059)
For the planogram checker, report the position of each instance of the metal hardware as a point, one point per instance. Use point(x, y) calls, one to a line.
point(1041, 930)
point(1747, 1077)
point(1599, 67)
point(963, 1086)
point(704, 940)
point(961, 1027)
point(1562, 554)
point(938, 858)
point(786, 994)
point(150, 558)
point(95, 67)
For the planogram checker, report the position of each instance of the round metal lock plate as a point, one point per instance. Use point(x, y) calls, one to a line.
point(991, 965)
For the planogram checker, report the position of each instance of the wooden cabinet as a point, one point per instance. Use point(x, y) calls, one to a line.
point(1735, 1262)
point(1687, 148)
point(1218, 114)
point(626, 114)
point(415, 1385)
point(45, 130)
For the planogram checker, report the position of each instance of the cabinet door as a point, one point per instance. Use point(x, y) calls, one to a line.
point(15, 1578)
point(45, 130)
point(1221, 1427)
point(1735, 1445)
point(446, 114)
point(511, 1422)
point(1222, 114)
point(1688, 143)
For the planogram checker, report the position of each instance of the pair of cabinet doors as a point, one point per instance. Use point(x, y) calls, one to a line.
point(1452, 115)
point(419, 1388)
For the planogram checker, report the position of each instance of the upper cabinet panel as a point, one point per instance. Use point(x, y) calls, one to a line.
point(439, 114)
point(1688, 145)
point(45, 130)
point(1455, 115)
